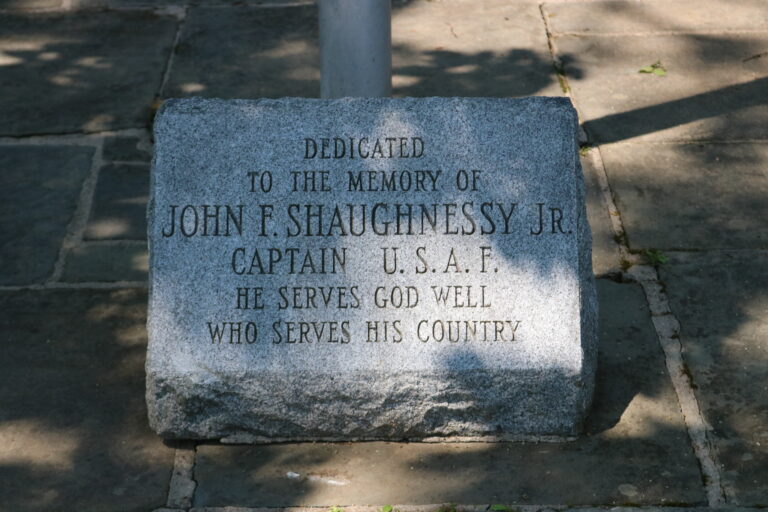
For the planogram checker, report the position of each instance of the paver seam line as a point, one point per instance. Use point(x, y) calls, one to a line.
point(91, 285)
point(559, 69)
point(551, 43)
point(619, 234)
point(76, 227)
point(181, 490)
point(560, 72)
point(667, 328)
point(181, 16)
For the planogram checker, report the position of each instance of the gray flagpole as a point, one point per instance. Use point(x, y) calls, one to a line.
point(355, 48)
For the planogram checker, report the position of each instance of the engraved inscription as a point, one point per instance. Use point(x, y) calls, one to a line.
point(418, 225)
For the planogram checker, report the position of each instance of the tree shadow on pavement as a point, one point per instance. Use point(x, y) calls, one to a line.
point(72, 414)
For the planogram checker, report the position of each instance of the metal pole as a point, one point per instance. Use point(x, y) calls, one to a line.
point(355, 48)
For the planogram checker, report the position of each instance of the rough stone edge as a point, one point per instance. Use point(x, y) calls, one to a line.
point(588, 303)
point(585, 258)
point(491, 439)
point(178, 398)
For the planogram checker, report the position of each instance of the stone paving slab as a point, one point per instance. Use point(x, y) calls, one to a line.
point(721, 301)
point(247, 53)
point(715, 87)
point(690, 196)
point(126, 149)
point(501, 50)
point(73, 426)
point(637, 450)
point(81, 72)
point(39, 190)
point(656, 16)
point(119, 210)
point(95, 262)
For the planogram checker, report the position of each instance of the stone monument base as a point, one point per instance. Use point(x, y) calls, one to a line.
point(369, 269)
point(476, 404)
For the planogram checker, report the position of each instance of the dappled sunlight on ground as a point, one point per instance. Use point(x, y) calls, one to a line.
point(33, 443)
point(75, 422)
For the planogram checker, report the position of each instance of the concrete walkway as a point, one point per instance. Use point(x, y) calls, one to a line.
point(676, 164)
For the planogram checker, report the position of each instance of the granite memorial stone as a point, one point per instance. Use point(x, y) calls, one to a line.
point(369, 269)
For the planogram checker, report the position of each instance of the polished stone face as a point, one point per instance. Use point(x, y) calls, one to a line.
point(369, 269)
